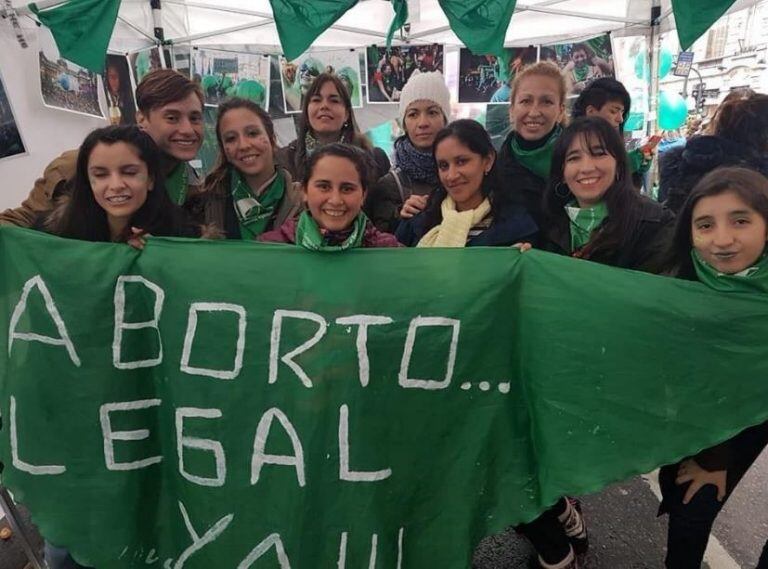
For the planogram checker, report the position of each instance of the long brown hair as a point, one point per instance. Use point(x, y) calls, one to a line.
point(350, 133)
point(218, 179)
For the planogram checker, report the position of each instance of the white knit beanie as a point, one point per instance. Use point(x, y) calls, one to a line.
point(428, 86)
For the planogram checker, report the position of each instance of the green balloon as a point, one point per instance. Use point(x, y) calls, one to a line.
point(208, 82)
point(665, 62)
point(253, 90)
point(672, 110)
point(641, 66)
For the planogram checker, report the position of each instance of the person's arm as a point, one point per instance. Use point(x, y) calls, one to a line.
point(46, 188)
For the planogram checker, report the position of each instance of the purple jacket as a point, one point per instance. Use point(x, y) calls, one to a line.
point(286, 233)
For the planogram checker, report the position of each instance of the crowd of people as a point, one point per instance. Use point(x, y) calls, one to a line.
point(561, 184)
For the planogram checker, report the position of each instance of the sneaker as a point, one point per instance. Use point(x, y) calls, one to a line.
point(574, 526)
point(570, 562)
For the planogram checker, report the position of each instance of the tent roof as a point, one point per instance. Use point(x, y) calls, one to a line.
point(249, 22)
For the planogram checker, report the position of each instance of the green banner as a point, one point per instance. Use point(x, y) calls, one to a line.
point(234, 404)
point(481, 25)
point(694, 17)
point(300, 22)
point(82, 29)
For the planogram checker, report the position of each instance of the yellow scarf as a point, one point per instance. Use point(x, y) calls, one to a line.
point(454, 229)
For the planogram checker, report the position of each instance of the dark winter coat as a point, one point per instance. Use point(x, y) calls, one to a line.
point(286, 233)
point(526, 187)
point(285, 157)
point(644, 252)
point(681, 168)
point(510, 226)
point(386, 198)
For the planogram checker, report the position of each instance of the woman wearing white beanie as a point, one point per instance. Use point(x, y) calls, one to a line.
point(425, 106)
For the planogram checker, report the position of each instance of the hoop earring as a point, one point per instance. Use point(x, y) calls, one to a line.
point(561, 190)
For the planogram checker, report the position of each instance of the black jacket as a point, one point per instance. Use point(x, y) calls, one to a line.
point(681, 168)
point(644, 252)
point(526, 187)
point(386, 197)
point(285, 157)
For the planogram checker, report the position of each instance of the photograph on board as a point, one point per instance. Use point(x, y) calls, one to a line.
point(182, 59)
point(65, 85)
point(121, 105)
point(144, 61)
point(224, 74)
point(389, 72)
point(297, 75)
point(488, 78)
point(582, 62)
point(11, 143)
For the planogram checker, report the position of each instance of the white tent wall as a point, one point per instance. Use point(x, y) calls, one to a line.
point(231, 23)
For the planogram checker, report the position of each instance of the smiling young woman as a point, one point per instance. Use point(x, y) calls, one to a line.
point(327, 117)
point(246, 194)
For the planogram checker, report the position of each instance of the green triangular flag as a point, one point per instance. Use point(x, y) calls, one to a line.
point(694, 17)
point(480, 24)
point(299, 22)
point(82, 29)
point(401, 16)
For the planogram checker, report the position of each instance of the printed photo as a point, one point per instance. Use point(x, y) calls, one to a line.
point(298, 75)
point(582, 62)
point(488, 78)
point(142, 62)
point(228, 74)
point(10, 137)
point(389, 72)
point(65, 85)
point(121, 104)
point(182, 59)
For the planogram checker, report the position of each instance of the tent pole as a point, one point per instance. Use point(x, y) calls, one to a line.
point(157, 20)
point(653, 118)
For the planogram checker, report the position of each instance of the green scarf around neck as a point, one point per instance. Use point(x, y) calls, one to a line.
point(539, 160)
point(309, 235)
point(752, 279)
point(254, 214)
point(177, 183)
point(583, 222)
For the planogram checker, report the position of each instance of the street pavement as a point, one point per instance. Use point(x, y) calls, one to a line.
point(623, 529)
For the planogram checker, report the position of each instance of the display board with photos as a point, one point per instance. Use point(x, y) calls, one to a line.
point(119, 90)
point(144, 61)
point(11, 143)
point(388, 70)
point(223, 74)
point(488, 78)
point(296, 76)
point(65, 85)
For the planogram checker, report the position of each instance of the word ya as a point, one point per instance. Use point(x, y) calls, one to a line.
point(361, 321)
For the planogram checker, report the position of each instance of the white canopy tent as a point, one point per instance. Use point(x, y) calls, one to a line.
point(221, 23)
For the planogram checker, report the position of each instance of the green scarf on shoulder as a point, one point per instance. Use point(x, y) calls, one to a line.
point(752, 279)
point(309, 236)
point(583, 222)
point(254, 214)
point(177, 183)
point(638, 163)
point(539, 160)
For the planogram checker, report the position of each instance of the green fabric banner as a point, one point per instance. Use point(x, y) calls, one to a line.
point(300, 22)
point(694, 17)
point(82, 29)
point(481, 25)
point(396, 404)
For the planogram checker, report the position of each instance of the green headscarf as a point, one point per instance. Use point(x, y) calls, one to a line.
point(752, 279)
point(539, 160)
point(255, 214)
point(584, 221)
point(309, 236)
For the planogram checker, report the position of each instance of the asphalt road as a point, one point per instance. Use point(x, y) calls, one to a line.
point(624, 530)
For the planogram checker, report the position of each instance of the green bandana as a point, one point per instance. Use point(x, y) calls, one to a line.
point(309, 236)
point(539, 160)
point(583, 222)
point(755, 278)
point(254, 214)
point(580, 74)
point(176, 183)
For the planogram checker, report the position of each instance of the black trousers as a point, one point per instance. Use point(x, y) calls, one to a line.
point(547, 534)
point(690, 524)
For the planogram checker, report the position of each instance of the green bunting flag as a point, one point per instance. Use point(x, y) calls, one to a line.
point(481, 25)
point(300, 22)
point(82, 29)
point(401, 17)
point(694, 17)
point(238, 404)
